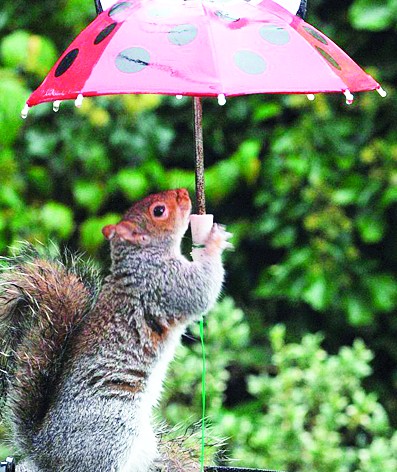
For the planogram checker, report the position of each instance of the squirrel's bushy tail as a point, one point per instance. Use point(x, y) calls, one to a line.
point(42, 300)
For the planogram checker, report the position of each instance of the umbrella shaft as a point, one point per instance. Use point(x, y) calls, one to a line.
point(199, 155)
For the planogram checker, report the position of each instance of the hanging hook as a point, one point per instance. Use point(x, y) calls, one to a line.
point(25, 111)
point(98, 7)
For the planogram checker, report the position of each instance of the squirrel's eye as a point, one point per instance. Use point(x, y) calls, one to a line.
point(158, 211)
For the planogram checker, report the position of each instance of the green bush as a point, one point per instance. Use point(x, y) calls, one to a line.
point(307, 409)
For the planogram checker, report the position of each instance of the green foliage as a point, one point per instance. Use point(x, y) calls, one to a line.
point(31, 53)
point(309, 190)
point(90, 232)
point(307, 410)
point(12, 93)
point(57, 219)
point(373, 15)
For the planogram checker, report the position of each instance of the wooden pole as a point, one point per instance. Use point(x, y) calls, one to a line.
point(199, 155)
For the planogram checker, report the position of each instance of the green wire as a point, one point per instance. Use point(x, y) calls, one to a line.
point(203, 395)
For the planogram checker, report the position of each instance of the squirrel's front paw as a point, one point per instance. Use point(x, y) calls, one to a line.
point(218, 240)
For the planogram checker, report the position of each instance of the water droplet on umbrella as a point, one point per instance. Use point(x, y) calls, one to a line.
point(56, 105)
point(25, 111)
point(310, 96)
point(381, 92)
point(349, 97)
point(79, 100)
point(178, 97)
point(221, 99)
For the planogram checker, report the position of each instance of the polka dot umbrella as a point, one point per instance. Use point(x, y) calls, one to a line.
point(201, 48)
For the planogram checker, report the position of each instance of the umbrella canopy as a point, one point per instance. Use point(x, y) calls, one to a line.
point(200, 48)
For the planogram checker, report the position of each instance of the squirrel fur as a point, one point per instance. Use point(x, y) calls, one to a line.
point(86, 359)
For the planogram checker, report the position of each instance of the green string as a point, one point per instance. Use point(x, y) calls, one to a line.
point(202, 395)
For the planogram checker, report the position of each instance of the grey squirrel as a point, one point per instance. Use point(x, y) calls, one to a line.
point(86, 363)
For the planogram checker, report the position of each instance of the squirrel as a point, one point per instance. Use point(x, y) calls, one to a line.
point(86, 359)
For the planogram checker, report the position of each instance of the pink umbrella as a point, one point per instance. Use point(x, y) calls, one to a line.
point(202, 48)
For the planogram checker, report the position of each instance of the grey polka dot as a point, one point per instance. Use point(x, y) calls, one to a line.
point(132, 60)
point(315, 34)
point(66, 62)
point(181, 35)
point(329, 58)
point(119, 7)
point(223, 15)
point(250, 62)
point(275, 34)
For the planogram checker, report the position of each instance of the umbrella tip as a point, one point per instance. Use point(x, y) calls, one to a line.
point(25, 111)
point(56, 105)
point(311, 96)
point(221, 99)
point(349, 96)
point(381, 91)
point(79, 100)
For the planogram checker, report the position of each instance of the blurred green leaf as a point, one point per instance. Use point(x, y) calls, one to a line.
point(266, 111)
point(373, 15)
point(316, 293)
point(57, 219)
point(13, 95)
point(10, 197)
point(89, 195)
point(383, 289)
point(91, 237)
point(371, 227)
point(358, 311)
point(40, 180)
point(30, 52)
point(132, 183)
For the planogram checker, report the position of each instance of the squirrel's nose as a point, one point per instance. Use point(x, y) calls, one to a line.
point(182, 194)
point(182, 197)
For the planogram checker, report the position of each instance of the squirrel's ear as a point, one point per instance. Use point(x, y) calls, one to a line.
point(109, 231)
point(132, 233)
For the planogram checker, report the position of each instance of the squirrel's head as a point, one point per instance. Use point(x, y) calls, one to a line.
point(160, 218)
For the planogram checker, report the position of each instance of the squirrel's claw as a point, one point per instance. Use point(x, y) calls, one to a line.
point(218, 239)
